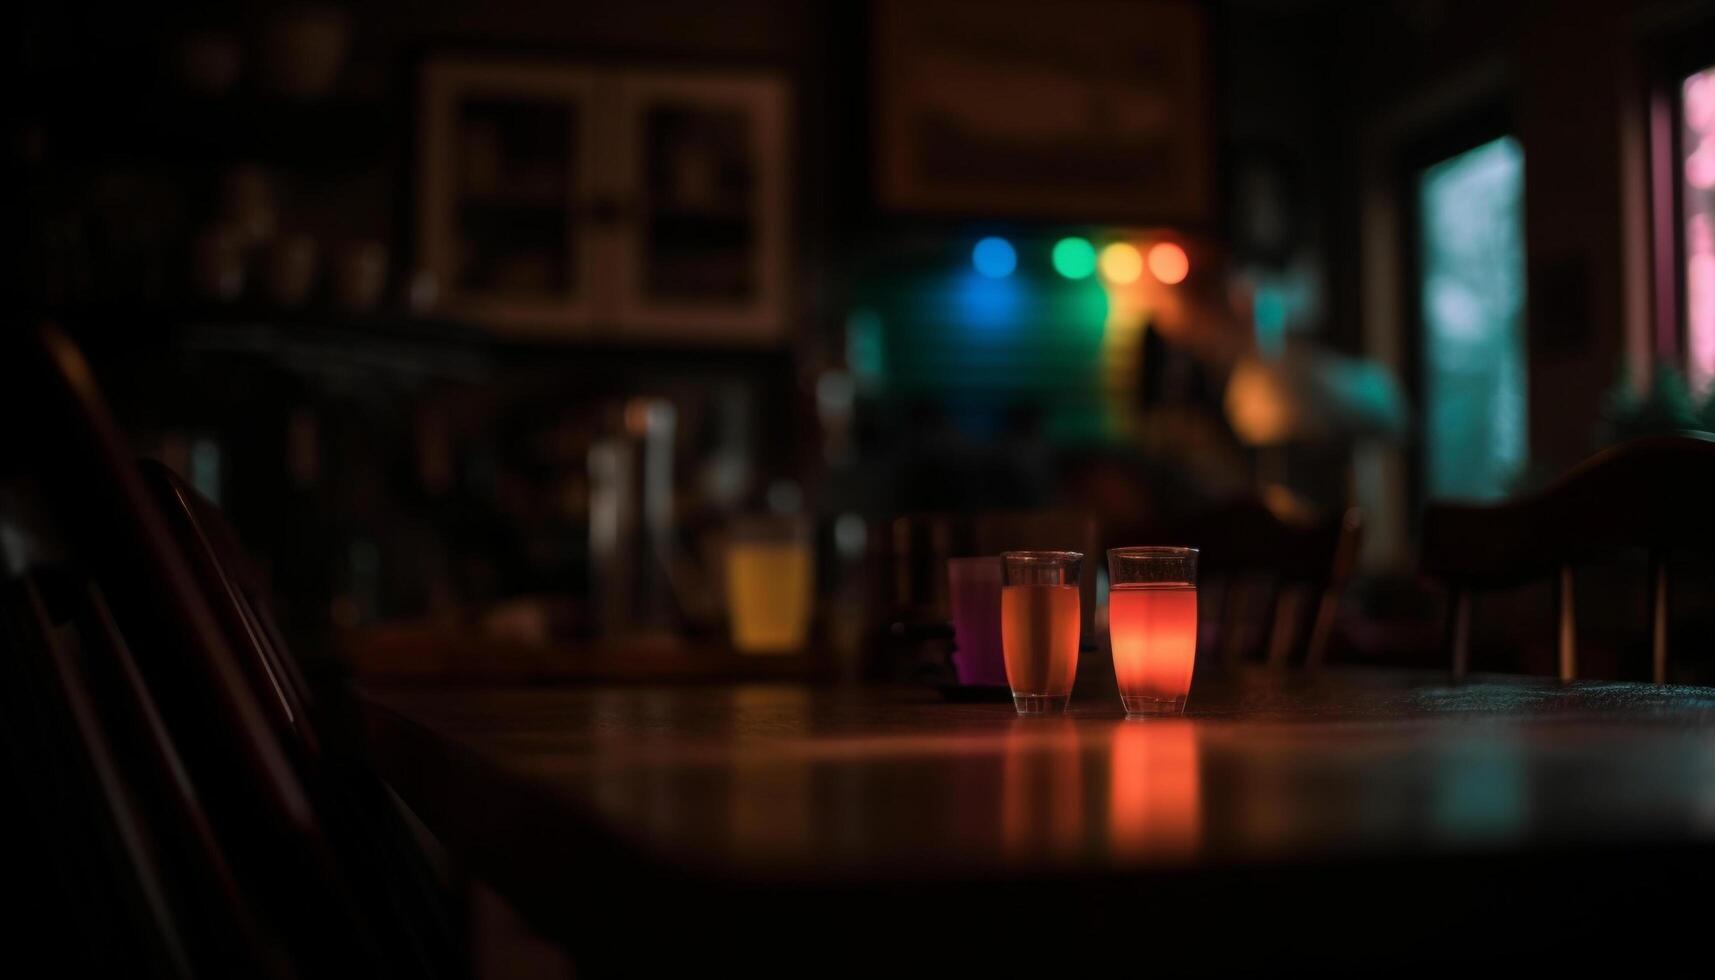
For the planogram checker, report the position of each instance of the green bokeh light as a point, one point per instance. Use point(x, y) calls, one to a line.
point(1074, 258)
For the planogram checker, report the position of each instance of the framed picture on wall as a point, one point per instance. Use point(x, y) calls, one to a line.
point(1093, 109)
point(567, 200)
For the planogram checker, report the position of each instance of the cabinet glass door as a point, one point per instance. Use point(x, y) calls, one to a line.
point(506, 178)
point(702, 239)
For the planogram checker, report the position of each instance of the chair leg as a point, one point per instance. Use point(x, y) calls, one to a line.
point(1459, 633)
point(1568, 627)
point(1235, 602)
point(1284, 630)
point(1322, 631)
point(1658, 618)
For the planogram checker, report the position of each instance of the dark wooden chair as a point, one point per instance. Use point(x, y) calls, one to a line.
point(224, 576)
point(114, 534)
point(1280, 579)
point(73, 671)
point(385, 865)
point(1656, 494)
point(105, 862)
point(228, 927)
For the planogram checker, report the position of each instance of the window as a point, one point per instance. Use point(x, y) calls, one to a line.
point(1697, 193)
point(1471, 277)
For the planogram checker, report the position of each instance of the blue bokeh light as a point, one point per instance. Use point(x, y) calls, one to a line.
point(994, 257)
point(986, 302)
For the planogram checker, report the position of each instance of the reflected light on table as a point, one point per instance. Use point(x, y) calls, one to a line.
point(1481, 793)
point(1042, 791)
point(1155, 789)
point(770, 795)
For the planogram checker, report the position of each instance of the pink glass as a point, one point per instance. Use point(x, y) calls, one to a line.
point(975, 591)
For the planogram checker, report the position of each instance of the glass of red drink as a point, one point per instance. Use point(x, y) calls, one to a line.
point(1039, 621)
point(1152, 621)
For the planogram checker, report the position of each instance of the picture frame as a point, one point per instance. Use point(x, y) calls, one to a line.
point(1105, 115)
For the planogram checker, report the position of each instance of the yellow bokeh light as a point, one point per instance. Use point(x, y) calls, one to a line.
point(1168, 263)
point(1121, 263)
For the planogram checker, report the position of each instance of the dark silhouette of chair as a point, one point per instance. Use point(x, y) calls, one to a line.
point(1655, 493)
point(1293, 569)
point(388, 869)
point(108, 865)
point(71, 671)
point(223, 575)
point(226, 698)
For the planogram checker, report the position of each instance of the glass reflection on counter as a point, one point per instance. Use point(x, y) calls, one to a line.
point(769, 799)
point(1155, 805)
point(1067, 789)
point(1480, 793)
point(1043, 808)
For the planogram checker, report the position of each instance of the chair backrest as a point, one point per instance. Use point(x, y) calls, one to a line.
point(1293, 569)
point(81, 814)
point(222, 573)
point(115, 534)
point(379, 854)
point(229, 933)
point(112, 739)
point(1655, 493)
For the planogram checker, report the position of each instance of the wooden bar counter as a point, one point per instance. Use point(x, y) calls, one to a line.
point(1345, 820)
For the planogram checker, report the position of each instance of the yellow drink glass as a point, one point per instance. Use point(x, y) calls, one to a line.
point(770, 585)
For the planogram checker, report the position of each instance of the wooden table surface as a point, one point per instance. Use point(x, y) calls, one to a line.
point(1395, 803)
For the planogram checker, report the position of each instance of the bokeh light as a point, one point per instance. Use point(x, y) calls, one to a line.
point(988, 301)
point(1121, 263)
point(1168, 263)
point(1074, 258)
point(994, 257)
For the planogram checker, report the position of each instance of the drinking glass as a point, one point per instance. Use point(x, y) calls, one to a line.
point(974, 585)
point(1039, 621)
point(1152, 620)
point(769, 583)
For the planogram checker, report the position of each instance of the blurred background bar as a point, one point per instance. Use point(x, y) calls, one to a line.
point(491, 321)
point(578, 439)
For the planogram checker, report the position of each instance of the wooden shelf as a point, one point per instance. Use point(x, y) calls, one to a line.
point(314, 340)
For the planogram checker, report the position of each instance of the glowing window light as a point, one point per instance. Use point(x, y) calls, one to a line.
point(1472, 292)
point(1168, 263)
point(1697, 195)
point(1074, 258)
point(994, 257)
point(1121, 263)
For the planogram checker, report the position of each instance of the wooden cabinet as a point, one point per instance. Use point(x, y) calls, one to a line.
point(606, 204)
